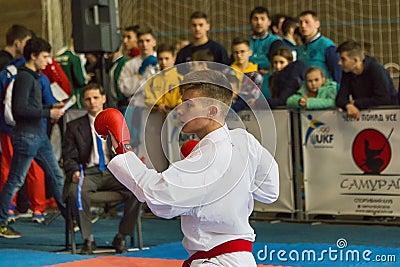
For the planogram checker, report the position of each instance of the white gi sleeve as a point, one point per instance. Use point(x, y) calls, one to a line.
point(266, 180)
point(146, 184)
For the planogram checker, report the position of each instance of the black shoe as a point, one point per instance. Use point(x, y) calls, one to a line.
point(88, 247)
point(119, 243)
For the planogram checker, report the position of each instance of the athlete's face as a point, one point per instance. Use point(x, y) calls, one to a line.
point(193, 112)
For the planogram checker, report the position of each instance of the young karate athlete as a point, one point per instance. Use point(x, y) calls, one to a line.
point(214, 187)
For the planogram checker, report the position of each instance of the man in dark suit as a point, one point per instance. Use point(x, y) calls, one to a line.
point(84, 151)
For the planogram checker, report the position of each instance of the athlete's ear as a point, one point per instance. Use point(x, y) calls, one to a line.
point(212, 111)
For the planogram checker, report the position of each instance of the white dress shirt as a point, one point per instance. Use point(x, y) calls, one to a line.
point(94, 154)
point(213, 189)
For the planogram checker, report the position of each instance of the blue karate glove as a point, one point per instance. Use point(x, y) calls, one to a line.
point(148, 61)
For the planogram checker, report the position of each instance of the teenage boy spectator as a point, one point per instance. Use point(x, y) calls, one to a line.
point(29, 138)
point(82, 147)
point(263, 44)
point(317, 92)
point(130, 80)
point(317, 50)
point(214, 188)
point(243, 67)
point(16, 38)
point(32, 193)
point(200, 58)
point(365, 82)
point(181, 43)
point(200, 26)
point(131, 75)
point(161, 96)
point(116, 62)
point(130, 41)
point(276, 24)
point(162, 91)
point(291, 35)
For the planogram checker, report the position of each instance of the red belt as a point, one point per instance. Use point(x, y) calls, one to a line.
point(227, 247)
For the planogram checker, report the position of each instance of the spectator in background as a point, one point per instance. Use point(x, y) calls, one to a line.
point(181, 43)
point(276, 24)
point(93, 67)
point(291, 35)
point(317, 92)
point(367, 48)
point(247, 93)
point(29, 139)
point(200, 26)
point(287, 78)
point(162, 92)
point(73, 68)
point(365, 82)
point(200, 59)
point(133, 75)
point(115, 62)
point(16, 38)
point(32, 193)
point(317, 50)
point(161, 96)
point(83, 147)
point(263, 44)
point(130, 41)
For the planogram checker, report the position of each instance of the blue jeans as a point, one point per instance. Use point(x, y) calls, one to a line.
point(29, 146)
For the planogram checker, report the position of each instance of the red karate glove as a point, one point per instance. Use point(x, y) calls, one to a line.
point(112, 121)
point(187, 147)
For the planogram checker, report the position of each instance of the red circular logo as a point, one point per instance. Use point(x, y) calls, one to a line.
point(371, 151)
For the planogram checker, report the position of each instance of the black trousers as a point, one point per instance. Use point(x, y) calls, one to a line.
point(94, 180)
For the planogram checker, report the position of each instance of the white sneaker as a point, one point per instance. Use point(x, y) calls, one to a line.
point(27, 214)
point(38, 218)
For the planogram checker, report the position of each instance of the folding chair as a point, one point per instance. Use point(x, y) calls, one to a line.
point(106, 200)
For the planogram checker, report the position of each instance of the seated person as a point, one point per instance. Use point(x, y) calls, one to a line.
point(81, 152)
point(317, 93)
point(365, 82)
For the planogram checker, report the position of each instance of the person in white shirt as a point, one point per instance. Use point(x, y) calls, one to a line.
point(214, 187)
point(133, 75)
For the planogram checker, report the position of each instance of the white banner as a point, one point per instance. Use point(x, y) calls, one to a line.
point(283, 153)
point(351, 167)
